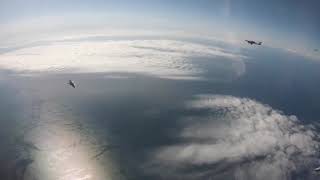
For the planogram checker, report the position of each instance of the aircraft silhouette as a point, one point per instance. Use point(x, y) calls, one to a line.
point(253, 42)
point(71, 83)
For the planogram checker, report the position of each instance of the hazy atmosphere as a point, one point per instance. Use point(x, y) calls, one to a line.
point(159, 90)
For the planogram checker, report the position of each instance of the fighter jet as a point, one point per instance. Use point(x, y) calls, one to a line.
point(317, 169)
point(253, 42)
point(71, 83)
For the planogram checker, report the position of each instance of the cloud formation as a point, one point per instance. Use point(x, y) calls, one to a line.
point(238, 138)
point(163, 58)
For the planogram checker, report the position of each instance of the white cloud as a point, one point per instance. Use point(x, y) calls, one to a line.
point(164, 58)
point(241, 136)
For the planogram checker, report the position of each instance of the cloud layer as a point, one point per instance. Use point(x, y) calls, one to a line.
point(238, 138)
point(164, 58)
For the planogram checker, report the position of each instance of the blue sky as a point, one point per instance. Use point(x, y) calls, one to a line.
point(282, 22)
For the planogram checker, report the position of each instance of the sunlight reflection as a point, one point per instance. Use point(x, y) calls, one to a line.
point(65, 150)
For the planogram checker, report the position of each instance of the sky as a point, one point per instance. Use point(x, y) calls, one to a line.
point(287, 23)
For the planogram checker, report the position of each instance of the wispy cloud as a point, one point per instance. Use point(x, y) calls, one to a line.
point(241, 138)
point(163, 58)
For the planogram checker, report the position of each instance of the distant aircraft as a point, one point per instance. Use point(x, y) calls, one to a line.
point(71, 83)
point(316, 50)
point(317, 169)
point(253, 42)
